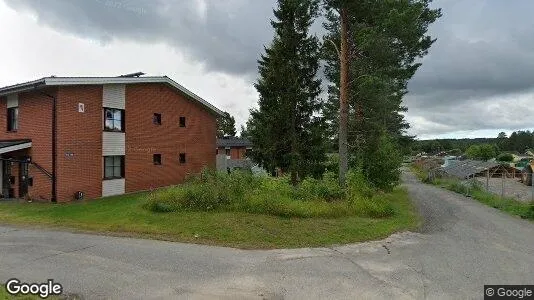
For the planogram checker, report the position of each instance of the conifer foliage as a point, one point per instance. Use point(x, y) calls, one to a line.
point(286, 129)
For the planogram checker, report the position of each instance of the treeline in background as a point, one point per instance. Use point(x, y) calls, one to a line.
point(519, 141)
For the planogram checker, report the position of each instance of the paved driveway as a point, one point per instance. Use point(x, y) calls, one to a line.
point(462, 246)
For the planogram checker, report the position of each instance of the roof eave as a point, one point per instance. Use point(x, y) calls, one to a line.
point(59, 81)
point(23, 87)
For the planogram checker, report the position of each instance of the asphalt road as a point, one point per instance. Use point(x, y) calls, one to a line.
point(461, 246)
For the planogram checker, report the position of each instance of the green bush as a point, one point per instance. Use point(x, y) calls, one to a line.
point(382, 163)
point(374, 207)
point(506, 157)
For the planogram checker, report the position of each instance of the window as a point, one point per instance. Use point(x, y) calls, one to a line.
point(113, 167)
point(157, 119)
point(12, 119)
point(182, 158)
point(182, 121)
point(227, 152)
point(113, 119)
point(156, 158)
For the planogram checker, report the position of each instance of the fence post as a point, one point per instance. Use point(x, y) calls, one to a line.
point(502, 188)
point(467, 186)
point(487, 180)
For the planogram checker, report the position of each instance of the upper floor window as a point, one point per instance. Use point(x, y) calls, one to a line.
point(182, 121)
point(12, 119)
point(157, 119)
point(113, 119)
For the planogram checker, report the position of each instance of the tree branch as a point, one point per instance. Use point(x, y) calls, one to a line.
point(359, 77)
point(337, 49)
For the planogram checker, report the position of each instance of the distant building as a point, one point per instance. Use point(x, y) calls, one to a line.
point(233, 153)
point(234, 147)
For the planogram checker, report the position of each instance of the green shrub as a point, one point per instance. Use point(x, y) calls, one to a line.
point(325, 189)
point(357, 186)
point(505, 157)
point(242, 191)
point(382, 162)
point(374, 207)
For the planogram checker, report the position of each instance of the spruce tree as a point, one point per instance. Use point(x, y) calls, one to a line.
point(285, 129)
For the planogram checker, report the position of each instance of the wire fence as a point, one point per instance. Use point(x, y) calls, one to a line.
point(508, 184)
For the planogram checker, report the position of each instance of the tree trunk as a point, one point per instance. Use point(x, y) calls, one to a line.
point(294, 150)
point(343, 99)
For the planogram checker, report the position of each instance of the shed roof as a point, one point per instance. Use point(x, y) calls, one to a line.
point(466, 168)
point(233, 142)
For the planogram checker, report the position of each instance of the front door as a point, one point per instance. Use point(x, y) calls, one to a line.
point(23, 179)
point(6, 179)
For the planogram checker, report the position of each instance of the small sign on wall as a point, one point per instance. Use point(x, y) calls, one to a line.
point(81, 107)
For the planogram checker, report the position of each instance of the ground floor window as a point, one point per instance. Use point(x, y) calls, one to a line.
point(113, 167)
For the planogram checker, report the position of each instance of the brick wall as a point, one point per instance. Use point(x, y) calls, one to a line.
point(79, 142)
point(35, 123)
point(143, 138)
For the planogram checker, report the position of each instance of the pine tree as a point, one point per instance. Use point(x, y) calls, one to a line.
point(384, 39)
point(285, 129)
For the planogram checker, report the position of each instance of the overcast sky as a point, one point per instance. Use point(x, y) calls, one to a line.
point(477, 80)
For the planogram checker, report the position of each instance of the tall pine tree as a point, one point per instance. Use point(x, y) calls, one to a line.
point(285, 129)
point(384, 39)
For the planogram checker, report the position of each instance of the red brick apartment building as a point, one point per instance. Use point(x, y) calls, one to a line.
point(65, 137)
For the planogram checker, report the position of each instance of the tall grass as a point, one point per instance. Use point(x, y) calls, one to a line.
point(244, 192)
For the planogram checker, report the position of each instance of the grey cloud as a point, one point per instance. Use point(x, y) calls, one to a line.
point(229, 38)
point(480, 72)
point(483, 57)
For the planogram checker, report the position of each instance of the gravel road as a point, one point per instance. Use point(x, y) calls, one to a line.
point(461, 246)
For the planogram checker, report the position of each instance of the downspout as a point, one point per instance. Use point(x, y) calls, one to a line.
point(54, 139)
point(54, 154)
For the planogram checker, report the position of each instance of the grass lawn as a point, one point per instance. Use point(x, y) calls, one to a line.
point(125, 216)
point(5, 296)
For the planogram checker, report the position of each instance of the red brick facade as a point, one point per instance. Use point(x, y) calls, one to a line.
point(79, 138)
point(144, 138)
point(35, 122)
point(79, 142)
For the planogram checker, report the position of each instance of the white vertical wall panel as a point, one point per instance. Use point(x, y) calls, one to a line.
point(114, 96)
point(113, 187)
point(113, 143)
point(13, 100)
